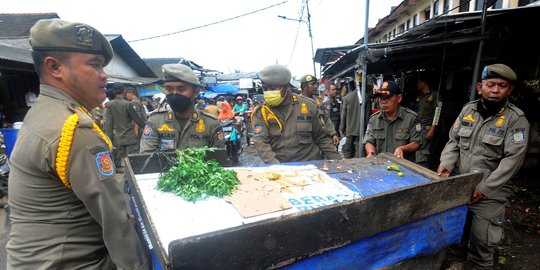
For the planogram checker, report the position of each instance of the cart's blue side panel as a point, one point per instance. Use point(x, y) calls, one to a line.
point(424, 237)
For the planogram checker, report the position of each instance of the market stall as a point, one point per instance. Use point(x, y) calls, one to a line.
point(357, 213)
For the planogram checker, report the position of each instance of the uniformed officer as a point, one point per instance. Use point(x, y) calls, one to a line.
point(490, 135)
point(349, 125)
point(394, 128)
point(288, 127)
point(426, 104)
point(309, 84)
point(333, 106)
point(120, 125)
point(136, 109)
point(180, 126)
point(68, 210)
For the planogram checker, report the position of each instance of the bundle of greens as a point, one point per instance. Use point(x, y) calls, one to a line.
point(193, 177)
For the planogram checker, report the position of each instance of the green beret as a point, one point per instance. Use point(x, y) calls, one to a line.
point(308, 78)
point(179, 72)
point(60, 35)
point(275, 75)
point(499, 71)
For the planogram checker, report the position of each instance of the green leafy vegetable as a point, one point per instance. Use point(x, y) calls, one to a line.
point(194, 177)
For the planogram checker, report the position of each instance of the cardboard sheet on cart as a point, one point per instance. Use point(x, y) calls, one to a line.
point(269, 189)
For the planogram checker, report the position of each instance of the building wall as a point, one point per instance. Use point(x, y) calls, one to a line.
point(118, 67)
point(417, 14)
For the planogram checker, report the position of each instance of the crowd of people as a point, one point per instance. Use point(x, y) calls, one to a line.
point(63, 178)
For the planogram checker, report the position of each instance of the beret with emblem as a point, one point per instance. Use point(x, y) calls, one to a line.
point(499, 71)
point(60, 35)
point(179, 72)
point(308, 78)
point(277, 75)
point(387, 88)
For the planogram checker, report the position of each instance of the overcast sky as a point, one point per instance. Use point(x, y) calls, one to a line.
point(248, 43)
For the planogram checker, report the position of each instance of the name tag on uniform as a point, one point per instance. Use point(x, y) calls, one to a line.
point(167, 144)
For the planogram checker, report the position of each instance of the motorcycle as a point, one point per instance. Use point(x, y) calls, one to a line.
point(244, 120)
point(4, 174)
point(232, 137)
point(4, 170)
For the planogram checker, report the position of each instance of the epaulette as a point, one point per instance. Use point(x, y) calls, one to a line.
point(376, 114)
point(312, 101)
point(158, 111)
point(517, 110)
point(410, 111)
point(209, 115)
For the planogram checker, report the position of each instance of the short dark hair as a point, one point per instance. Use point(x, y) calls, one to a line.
point(39, 57)
point(118, 88)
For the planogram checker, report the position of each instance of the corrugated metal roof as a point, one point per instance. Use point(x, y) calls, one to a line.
point(132, 80)
point(15, 54)
point(19, 24)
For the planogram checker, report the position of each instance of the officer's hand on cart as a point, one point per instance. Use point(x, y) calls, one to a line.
point(335, 138)
point(398, 152)
point(476, 196)
point(441, 171)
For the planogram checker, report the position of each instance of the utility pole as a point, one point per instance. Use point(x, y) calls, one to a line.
point(362, 97)
point(308, 23)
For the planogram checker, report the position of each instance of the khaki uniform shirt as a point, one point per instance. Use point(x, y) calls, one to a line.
point(163, 132)
point(497, 145)
point(425, 107)
point(326, 122)
point(350, 115)
point(139, 115)
point(120, 123)
point(53, 227)
point(387, 135)
point(333, 107)
point(291, 132)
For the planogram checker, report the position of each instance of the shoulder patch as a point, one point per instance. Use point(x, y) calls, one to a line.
point(105, 164)
point(257, 131)
point(518, 135)
point(147, 132)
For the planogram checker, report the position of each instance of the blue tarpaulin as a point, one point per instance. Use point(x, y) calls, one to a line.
point(422, 238)
point(225, 88)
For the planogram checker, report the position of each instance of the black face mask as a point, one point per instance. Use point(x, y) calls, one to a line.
point(178, 103)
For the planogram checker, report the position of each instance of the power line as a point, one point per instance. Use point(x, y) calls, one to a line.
point(209, 24)
point(297, 30)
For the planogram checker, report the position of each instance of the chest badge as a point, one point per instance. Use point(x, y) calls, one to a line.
point(165, 127)
point(303, 109)
point(430, 98)
point(200, 126)
point(500, 121)
point(170, 117)
point(469, 117)
point(195, 116)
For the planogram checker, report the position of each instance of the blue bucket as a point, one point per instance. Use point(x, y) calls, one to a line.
point(10, 136)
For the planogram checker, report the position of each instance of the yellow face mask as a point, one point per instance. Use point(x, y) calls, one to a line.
point(273, 98)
